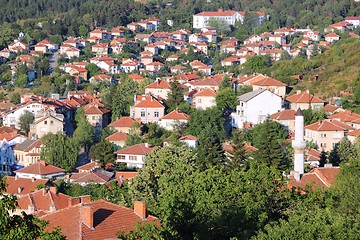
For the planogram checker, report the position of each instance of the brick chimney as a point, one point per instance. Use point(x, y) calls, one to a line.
point(87, 216)
point(53, 189)
point(42, 162)
point(73, 201)
point(85, 199)
point(140, 209)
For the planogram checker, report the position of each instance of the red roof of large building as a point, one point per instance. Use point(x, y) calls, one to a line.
point(118, 136)
point(346, 116)
point(205, 93)
point(137, 149)
point(40, 168)
point(329, 125)
point(93, 108)
point(304, 97)
point(94, 220)
point(89, 177)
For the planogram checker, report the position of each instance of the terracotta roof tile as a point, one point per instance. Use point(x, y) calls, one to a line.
point(330, 108)
point(205, 93)
point(25, 185)
point(149, 101)
point(93, 108)
point(123, 122)
point(108, 219)
point(346, 116)
point(88, 166)
point(304, 97)
point(162, 84)
point(118, 136)
point(312, 155)
point(137, 149)
point(354, 133)
point(329, 125)
point(177, 115)
point(288, 114)
point(87, 177)
point(41, 169)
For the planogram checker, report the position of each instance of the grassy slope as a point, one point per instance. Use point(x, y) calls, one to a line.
point(337, 69)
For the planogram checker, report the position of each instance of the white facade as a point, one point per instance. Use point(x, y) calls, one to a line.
point(11, 119)
point(40, 176)
point(169, 124)
point(132, 161)
point(255, 107)
point(202, 20)
point(7, 157)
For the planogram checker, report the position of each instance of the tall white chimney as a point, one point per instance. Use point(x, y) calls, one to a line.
point(299, 143)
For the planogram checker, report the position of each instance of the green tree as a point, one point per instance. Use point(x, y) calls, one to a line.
point(142, 231)
point(312, 116)
point(239, 153)
point(21, 226)
point(226, 98)
point(257, 64)
point(342, 152)
point(285, 55)
point(225, 82)
point(269, 138)
point(21, 81)
point(123, 98)
point(60, 150)
point(201, 118)
point(15, 98)
point(25, 120)
point(93, 69)
point(103, 152)
point(175, 96)
point(83, 31)
point(84, 132)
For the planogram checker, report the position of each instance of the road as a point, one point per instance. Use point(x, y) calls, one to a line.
point(53, 60)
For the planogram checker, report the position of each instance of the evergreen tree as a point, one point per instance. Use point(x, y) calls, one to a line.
point(175, 97)
point(84, 132)
point(123, 98)
point(342, 152)
point(103, 152)
point(226, 98)
point(239, 153)
point(323, 159)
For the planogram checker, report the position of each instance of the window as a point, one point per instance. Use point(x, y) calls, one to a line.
point(132, 158)
point(121, 157)
point(323, 145)
point(199, 100)
point(142, 113)
point(156, 114)
point(45, 122)
point(93, 117)
point(51, 122)
point(323, 135)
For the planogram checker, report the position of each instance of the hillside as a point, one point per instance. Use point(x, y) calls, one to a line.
point(332, 73)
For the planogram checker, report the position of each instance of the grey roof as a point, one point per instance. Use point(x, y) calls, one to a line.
point(247, 96)
point(24, 145)
point(299, 112)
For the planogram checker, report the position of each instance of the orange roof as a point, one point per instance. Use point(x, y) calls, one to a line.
point(16, 185)
point(88, 166)
point(206, 93)
point(118, 136)
point(288, 114)
point(135, 77)
point(176, 114)
point(44, 200)
point(108, 219)
point(149, 101)
point(188, 137)
point(330, 108)
point(123, 122)
point(312, 155)
point(137, 149)
point(125, 175)
point(268, 81)
point(93, 108)
point(331, 35)
point(304, 97)
point(319, 177)
point(354, 133)
point(40, 168)
point(346, 116)
point(87, 177)
point(162, 84)
point(329, 125)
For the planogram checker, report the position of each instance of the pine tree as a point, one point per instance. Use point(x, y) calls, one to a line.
point(175, 97)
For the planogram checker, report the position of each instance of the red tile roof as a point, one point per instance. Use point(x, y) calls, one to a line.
point(25, 185)
point(41, 169)
point(118, 136)
point(88, 177)
point(137, 149)
point(88, 166)
point(162, 84)
point(108, 219)
point(205, 93)
point(188, 137)
point(330, 108)
point(149, 101)
point(44, 200)
point(354, 133)
point(319, 177)
point(312, 155)
point(93, 108)
point(346, 116)
point(123, 122)
point(304, 97)
point(288, 114)
point(177, 115)
point(125, 175)
point(329, 125)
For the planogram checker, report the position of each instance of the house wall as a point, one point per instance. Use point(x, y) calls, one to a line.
point(325, 140)
point(289, 124)
point(147, 114)
point(49, 125)
point(12, 119)
point(169, 124)
point(131, 160)
point(278, 90)
point(39, 176)
point(257, 109)
point(204, 102)
point(158, 92)
point(303, 106)
point(7, 157)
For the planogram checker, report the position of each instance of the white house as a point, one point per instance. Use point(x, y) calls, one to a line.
point(353, 20)
point(254, 107)
point(134, 156)
point(189, 141)
point(229, 17)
